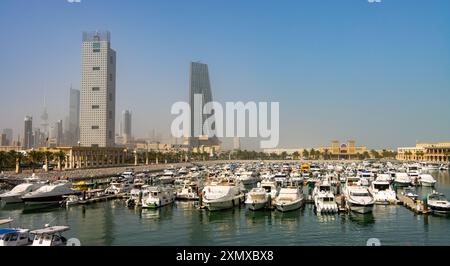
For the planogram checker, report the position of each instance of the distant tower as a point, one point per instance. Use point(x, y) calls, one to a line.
point(74, 117)
point(236, 143)
point(44, 119)
point(28, 133)
point(126, 126)
point(98, 91)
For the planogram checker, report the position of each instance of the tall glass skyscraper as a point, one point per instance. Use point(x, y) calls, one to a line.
point(200, 87)
point(98, 91)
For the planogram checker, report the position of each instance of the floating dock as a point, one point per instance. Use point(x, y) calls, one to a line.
point(416, 206)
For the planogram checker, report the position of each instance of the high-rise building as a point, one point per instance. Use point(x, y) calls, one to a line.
point(72, 133)
point(56, 134)
point(28, 141)
point(125, 126)
point(199, 95)
point(44, 119)
point(9, 135)
point(98, 91)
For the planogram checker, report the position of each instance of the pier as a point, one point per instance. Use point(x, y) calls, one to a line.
point(417, 206)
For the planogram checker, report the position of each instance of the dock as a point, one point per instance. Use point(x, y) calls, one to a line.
point(100, 199)
point(417, 206)
point(340, 200)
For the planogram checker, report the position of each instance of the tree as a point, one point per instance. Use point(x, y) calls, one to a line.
point(295, 155)
point(34, 157)
point(326, 154)
point(305, 154)
point(61, 156)
point(18, 157)
point(3, 159)
point(312, 154)
point(374, 154)
point(48, 156)
point(366, 155)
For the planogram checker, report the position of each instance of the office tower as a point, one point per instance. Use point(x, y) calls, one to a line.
point(199, 84)
point(236, 143)
point(28, 142)
point(98, 91)
point(44, 119)
point(73, 123)
point(9, 135)
point(126, 126)
point(56, 134)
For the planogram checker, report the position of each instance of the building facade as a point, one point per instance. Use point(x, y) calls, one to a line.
point(28, 140)
point(343, 151)
point(199, 95)
point(73, 123)
point(98, 91)
point(431, 152)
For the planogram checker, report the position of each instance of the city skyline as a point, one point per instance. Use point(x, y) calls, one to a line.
point(363, 75)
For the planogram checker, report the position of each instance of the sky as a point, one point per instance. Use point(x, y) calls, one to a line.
point(377, 73)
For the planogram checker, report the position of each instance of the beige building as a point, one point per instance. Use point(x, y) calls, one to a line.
point(10, 148)
point(346, 151)
point(433, 152)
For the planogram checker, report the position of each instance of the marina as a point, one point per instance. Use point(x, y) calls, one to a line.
point(288, 203)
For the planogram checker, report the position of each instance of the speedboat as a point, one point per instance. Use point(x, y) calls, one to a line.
point(223, 194)
point(427, 180)
point(16, 194)
point(382, 191)
point(402, 180)
point(443, 167)
point(357, 197)
point(158, 197)
point(438, 203)
point(52, 193)
point(257, 198)
point(50, 236)
point(324, 200)
point(289, 199)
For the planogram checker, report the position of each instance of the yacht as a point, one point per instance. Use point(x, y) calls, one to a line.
point(427, 180)
point(183, 171)
point(443, 167)
point(189, 191)
point(438, 203)
point(118, 186)
point(271, 187)
point(168, 177)
point(50, 236)
point(52, 193)
point(16, 194)
point(13, 236)
point(324, 200)
point(382, 191)
point(402, 180)
point(158, 197)
point(247, 178)
point(224, 194)
point(413, 170)
point(257, 198)
point(357, 197)
point(296, 177)
point(280, 178)
point(289, 199)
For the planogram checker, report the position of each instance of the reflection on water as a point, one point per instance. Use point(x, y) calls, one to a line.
point(362, 219)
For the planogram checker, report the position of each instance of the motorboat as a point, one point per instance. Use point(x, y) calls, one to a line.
point(118, 186)
point(438, 203)
point(168, 177)
point(158, 197)
point(296, 177)
point(357, 197)
point(247, 178)
point(189, 191)
point(16, 194)
point(382, 191)
point(13, 236)
point(402, 180)
point(271, 187)
point(427, 180)
point(324, 200)
point(289, 199)
point(52, 193)
point(223, 194)
point(410, 192)
point(50, 236)
point(443, 167)
point(257, 198)
point(183, 171)
point(280, 178)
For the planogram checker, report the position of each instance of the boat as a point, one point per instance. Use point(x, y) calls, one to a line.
point(427, 180)
point(410, 192)
point(257, 198)
point(357, 197)
point(402, 179)
point(80, 186)
point(247, 178)
point(168, 177)
point(280, 178)
point(382, 191)
point(13, 236)
point(223, 194)
point(16, 194)
point(324, 200)
point(189, 191)
point(271, 187)
point(289, 199)
point(120, 185)
point(50, 236)
point(183, 171)
point(438, 203)
point(443, 167)
point(158, 197)
point(52, 193)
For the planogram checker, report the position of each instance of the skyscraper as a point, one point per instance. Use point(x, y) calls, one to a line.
point(98, 90)
point(28, 133)
point(126, 126)
point(44, 119)
point(56, 134)
point(199, 86)
point(9, 135)
point(73, 123)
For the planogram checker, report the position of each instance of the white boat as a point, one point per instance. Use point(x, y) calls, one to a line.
point(119, 186)
point(382, 191)
point(168, 177)
point(189, 191)
point(413, 170)
point(247, 178)
point(13, 236)
point(289, 199)
point(280, 178)
point(271, 187)
point(427, 180)
point(52, 193)
point(183, 171)
point(16, 194)
point(50, 236)
point(324, 200)
point(443, 167)
point(402, 179)
point(257, 198)
point(224, 194)
point(158, 197)
point(357, 197)
point(438, 203)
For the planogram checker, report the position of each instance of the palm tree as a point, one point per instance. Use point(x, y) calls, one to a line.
point(18, 157)
point(366, 155)
point(3, 158)
point(312, 153)
point(295, 155)
point(61, 156)
point(326, 154)
point(305, 154)
point(34, 157)
point(48, 156)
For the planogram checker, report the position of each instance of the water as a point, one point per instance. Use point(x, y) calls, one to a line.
point(112, 223)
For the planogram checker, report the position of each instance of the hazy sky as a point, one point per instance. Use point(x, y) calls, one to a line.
point(377, 73)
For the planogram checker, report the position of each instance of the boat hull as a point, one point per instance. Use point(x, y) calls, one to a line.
point(11, 199)
point(286, 207)
point(360, 208)
point(255, 206)
point(427, 184)
point(217, 205)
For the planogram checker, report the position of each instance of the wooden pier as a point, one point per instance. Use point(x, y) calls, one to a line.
point(416, 206)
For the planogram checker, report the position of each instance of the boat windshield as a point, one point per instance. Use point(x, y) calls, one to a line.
point(360, 194)
point(438, 197)
point(328, 199)
point(268, 188)
point(381, 186)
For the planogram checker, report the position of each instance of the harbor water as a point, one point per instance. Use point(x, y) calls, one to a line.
point(113, 223)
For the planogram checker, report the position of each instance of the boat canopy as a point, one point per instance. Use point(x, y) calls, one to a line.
point(51, 230)
point(6, 221)
point(4, 231)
